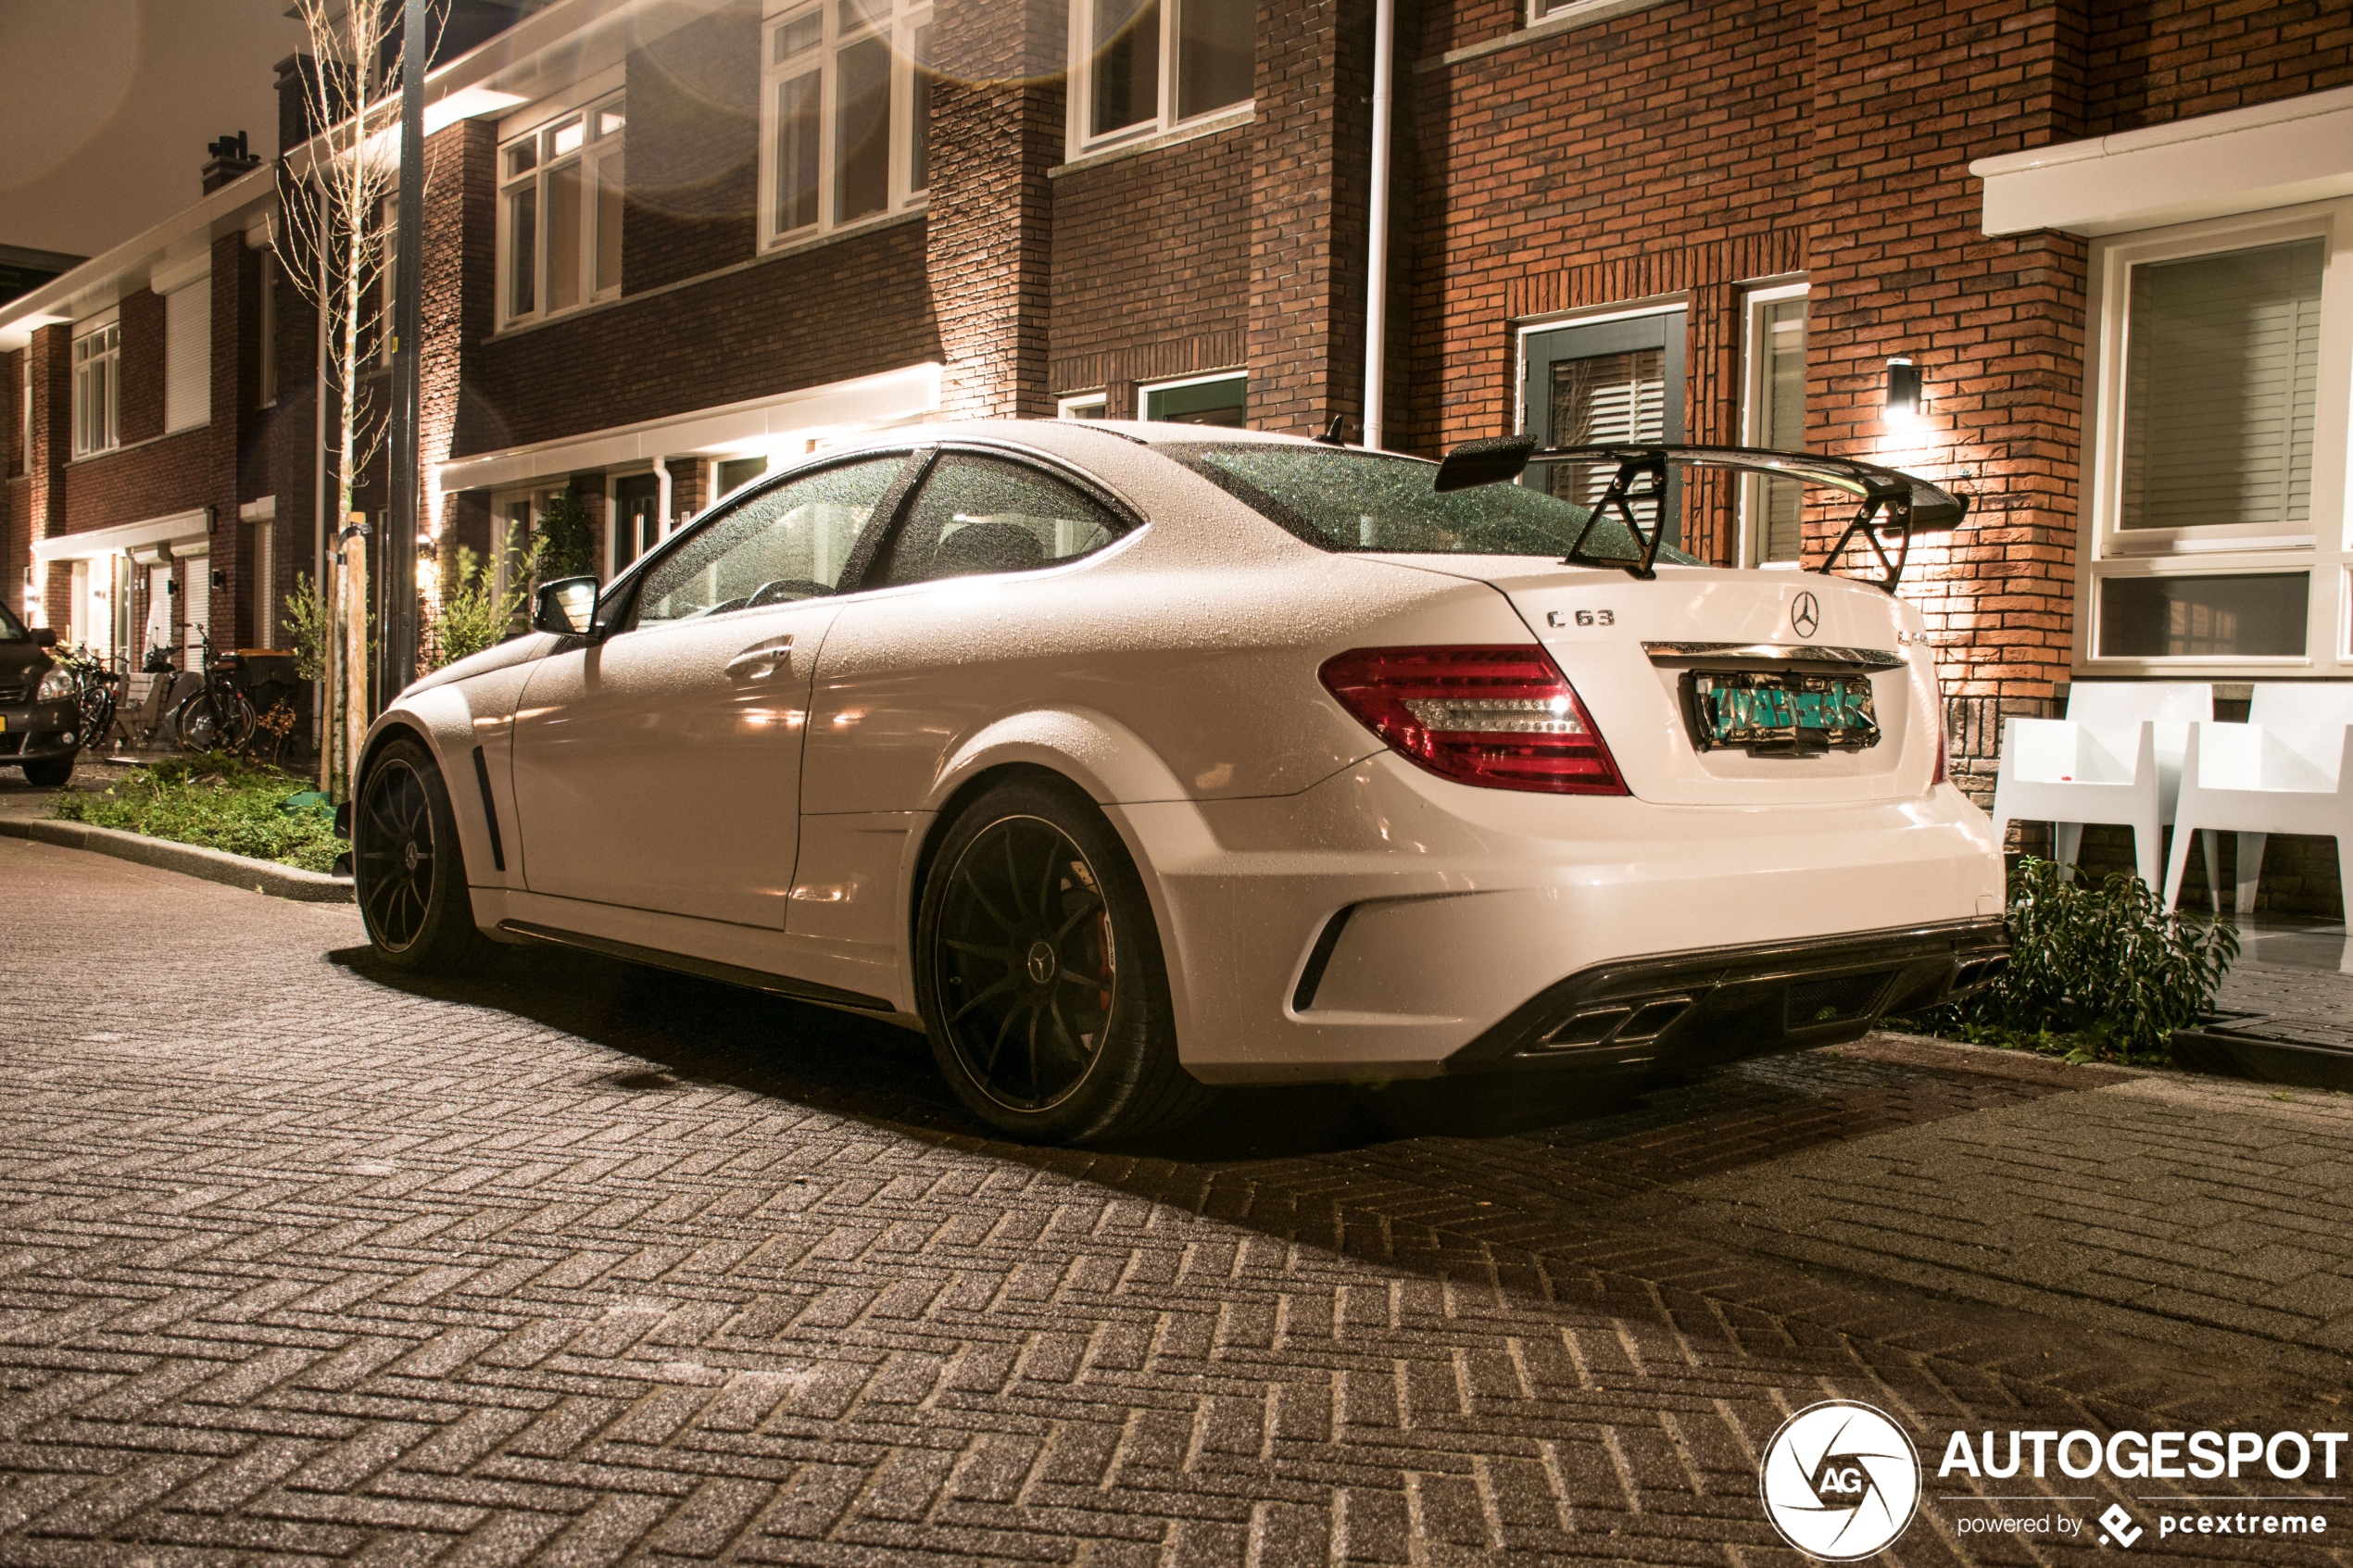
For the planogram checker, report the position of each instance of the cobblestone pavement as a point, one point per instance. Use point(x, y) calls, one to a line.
point(302, 1261)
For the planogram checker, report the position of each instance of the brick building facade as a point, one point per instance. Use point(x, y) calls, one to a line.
point(669, 245)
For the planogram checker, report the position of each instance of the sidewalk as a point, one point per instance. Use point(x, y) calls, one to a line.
point(2285, 1012)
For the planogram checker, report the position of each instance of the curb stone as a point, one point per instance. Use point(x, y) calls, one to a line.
point(189, 859)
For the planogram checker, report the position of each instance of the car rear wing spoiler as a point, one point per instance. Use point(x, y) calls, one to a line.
point(1891, 499)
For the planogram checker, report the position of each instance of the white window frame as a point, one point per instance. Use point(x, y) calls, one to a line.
point(1084, 405)
point(2228, 549)
point(596, 146)
point(1082, 86)
point(105, 362)
point(1755, 367)
point(1145, 390)
point(899, 23)
point(24, 410)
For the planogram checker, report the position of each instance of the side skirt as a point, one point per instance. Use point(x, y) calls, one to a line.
point(706, 968)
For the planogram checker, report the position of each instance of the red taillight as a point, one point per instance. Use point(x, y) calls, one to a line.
point(1504, 717)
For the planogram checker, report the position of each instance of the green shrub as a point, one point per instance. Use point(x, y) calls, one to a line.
point(2096, 972)
point(567, 538)
point(473, 615)
point(221, 802)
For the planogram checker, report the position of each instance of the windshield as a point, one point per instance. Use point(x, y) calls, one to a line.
point(11, 629)
point(1340, 498)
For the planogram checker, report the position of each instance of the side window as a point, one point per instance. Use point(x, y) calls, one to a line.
point(977, 514)
point(790, 543)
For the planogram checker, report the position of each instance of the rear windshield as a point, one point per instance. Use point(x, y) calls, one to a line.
point(1337, 498)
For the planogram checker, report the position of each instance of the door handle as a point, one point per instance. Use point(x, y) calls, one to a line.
point(762, 659)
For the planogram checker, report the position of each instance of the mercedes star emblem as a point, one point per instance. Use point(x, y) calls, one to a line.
point(1805, 615)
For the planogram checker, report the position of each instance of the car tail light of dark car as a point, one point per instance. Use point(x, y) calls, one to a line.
point(1499, 717)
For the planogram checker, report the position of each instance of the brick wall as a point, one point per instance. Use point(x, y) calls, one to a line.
point(139, 417)
point(855, 307)
point(1152, 266)
point(997, 126)
point(1309, 169)
point(693, 150)
point(2159, 60)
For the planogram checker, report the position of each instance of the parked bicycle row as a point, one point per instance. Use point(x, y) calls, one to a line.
point(209, 710)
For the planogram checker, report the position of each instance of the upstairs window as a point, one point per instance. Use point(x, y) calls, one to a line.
point(560, 196)
point(187, 356)
point(97, 389)
point(845, 115)
point(1150, 65)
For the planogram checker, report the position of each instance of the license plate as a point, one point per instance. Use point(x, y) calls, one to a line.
point(1775, 712)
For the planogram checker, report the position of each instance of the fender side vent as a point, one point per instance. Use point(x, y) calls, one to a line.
point(489, 810)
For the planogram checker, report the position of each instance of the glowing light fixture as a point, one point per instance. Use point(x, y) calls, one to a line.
point(1905, 401)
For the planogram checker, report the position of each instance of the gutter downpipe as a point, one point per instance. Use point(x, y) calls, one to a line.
point(663, 523)
point(1377, 227)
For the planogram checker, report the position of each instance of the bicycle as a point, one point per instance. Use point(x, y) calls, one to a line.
point(97, 691)
point(157, 710)
point(217, 716)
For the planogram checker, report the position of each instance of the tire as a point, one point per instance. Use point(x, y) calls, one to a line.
point(1039, 976)
point(210, 723)
point(51, 774)
point(409, 874)
point(97, 717)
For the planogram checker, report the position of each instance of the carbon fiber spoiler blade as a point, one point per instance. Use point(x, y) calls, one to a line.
point(1892, 499)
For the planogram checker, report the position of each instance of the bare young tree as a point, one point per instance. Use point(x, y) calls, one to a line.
point(335, 244)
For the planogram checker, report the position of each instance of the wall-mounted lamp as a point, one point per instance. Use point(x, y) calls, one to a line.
point(1905, 402)
point(425, 546)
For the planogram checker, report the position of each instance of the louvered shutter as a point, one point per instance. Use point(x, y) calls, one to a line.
point(187, 356)
point(2220, 379)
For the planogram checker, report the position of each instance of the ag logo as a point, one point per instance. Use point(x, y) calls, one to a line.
point(1840, 1480)
point(1806, 615)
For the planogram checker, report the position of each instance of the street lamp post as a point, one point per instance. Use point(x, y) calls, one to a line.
point(398, 542)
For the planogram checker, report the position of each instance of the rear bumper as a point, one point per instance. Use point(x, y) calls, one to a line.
point(1702, 1009)
point(1388, 924)
point(39, 732)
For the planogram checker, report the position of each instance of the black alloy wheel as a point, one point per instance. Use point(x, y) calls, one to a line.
point(408, 871)
point(1040, 973)
point(1030, 968)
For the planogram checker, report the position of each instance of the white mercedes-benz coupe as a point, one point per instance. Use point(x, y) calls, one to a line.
point(1130, 760)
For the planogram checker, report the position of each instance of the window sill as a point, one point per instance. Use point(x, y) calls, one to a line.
point(117, 451)
point(1568, 20)
point(1210, 125)
point(796, 244)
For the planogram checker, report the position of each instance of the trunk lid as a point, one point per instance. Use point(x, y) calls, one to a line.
point(1627, 646)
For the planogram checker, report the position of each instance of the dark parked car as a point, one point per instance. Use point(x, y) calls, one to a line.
point(37, 712)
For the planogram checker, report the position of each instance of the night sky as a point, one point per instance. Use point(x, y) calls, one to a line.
point(109, 105)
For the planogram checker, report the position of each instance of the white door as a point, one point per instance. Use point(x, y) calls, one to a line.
point(660, 767)
point(159, 613)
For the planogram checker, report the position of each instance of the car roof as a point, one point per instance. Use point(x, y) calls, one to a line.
point(1074, 438)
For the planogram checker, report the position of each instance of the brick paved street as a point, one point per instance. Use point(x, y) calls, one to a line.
point(303, 1261)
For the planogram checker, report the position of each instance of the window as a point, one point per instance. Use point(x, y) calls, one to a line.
point(845, 114)
point(637, 519)
point(266, 329)
point(1207, 400)
point(734, 473)
point(1152, 65)
point(187, 356)
point(977, 515)
point(2215, 455)
point(560, 191)
point(1349, 500)
point(1085, 405)
point(774, 547)
point(1593, 383)
point(514, 522)
point(97, 389)
point(1774, 416)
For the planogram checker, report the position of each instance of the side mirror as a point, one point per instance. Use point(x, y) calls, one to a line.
point(45, 637)
point(566, 608)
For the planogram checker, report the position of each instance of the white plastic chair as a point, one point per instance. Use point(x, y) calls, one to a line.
point(2288, 768)
point(2114, 758)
